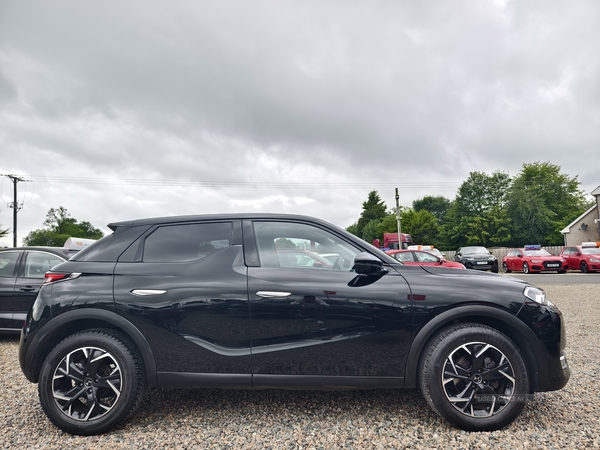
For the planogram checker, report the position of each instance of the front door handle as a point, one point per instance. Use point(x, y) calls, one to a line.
point(273, 294)
point(144, 292)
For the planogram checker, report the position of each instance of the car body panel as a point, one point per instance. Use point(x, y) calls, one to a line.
point(232, 318)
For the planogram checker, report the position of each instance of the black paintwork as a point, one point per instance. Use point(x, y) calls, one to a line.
point(218, 325)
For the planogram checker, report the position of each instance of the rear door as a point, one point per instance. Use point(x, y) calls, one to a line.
point(184, 286)
point(30, 277)
point(9, 264)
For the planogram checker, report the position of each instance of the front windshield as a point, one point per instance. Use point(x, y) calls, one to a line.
point(540, 252)
point(474, 251)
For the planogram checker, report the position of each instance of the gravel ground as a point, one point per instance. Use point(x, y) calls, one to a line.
point(186, 419)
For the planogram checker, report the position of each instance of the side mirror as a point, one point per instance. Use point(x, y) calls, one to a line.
point(367, 264)
point(577, 254)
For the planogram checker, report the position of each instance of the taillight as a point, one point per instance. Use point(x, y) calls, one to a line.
point(51, 277)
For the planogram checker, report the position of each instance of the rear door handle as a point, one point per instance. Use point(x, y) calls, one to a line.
point(27, 289)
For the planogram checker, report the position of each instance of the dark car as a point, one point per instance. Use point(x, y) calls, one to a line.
point(22, 272)
point(477, 257)
point(205, 301)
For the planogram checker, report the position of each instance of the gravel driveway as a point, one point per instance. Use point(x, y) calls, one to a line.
point(185, 419)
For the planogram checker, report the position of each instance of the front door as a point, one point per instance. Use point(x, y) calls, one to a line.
point(322, 320)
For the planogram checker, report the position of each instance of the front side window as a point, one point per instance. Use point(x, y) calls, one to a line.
point(188, 242)
point(286, 244)
point(38, 263)
point(425, 257)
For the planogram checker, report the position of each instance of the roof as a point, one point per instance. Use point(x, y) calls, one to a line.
point(596, 191)
point(567, 229)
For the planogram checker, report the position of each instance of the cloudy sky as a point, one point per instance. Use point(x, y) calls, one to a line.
point(119, 110)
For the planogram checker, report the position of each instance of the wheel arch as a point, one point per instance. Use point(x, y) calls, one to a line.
point(503, 321)
point(84, 319)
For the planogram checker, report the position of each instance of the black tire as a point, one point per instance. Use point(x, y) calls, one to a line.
point(495, 269)
point(584, 267)
point(526, 268)
point(452, 390)
point(505, 268)
point(105, 383)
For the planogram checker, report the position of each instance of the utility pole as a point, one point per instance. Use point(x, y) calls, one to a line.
point(15, 206)
point(398, 219)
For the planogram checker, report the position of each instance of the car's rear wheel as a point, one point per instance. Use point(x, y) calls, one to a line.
point(91, 381)
point(474, 377)
point(525, 268)
point(505, 268)
point(584, 267)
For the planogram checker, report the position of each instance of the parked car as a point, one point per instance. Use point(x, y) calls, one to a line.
point(22, 272)
point(419, 258)
point(584, 257)
point(477, 257)
point(533, 259)
point(427, 248)
point(203, 301)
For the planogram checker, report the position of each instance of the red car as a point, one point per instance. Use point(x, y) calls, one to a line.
point(533, 259)
point(584, 257)
point(420, 258)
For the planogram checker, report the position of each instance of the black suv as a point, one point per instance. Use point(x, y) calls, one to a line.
point(213, 301)
point(476, 257)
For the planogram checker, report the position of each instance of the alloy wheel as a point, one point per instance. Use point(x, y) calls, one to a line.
point(87, 383)
point(478, 379)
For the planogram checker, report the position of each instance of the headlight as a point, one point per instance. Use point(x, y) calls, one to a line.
point(537, 295)
point(536, 261)
point(594, 259)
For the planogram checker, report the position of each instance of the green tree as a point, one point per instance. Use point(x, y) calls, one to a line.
point(372, 209)
point(60, 226)
point(371, 231)
point(423, 227)
point(541, 202)
point(438, 206)
point(478, 215)
point(4, 232)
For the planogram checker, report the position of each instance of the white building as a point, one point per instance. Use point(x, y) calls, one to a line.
point(586, 228)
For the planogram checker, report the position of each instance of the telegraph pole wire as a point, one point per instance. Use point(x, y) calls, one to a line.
point(14, 205)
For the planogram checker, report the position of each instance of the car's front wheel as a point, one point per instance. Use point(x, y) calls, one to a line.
point(91, 381)
point(584, 267)
point(526, 268)
point(474, 377)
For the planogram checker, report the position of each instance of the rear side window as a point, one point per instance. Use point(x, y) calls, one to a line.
point(8, 262)
point(38, 263)
point(189, 242)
